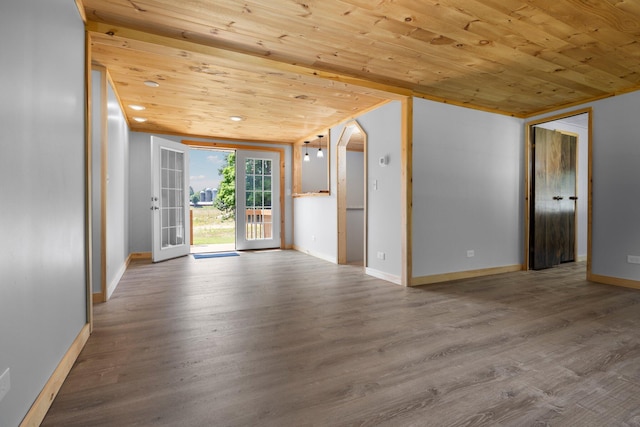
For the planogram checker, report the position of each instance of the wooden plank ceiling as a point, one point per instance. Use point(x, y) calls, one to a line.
point(290, 68)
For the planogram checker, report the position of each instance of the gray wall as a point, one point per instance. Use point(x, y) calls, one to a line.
point(355, 206)
point(467, 189)
point(316, 217)
point(140, 189)
point(384, 212)
point(42, 256)
point(117, 212)
point(616, 171)
point(355, 179)
point(139, 192)
point(314, 172)
point(96, 180)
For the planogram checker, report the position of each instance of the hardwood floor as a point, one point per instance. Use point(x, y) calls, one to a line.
point(283, 339)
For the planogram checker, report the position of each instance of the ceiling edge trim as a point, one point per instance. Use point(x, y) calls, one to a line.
point(213, 138)
point(465, 105)
point(583, 102)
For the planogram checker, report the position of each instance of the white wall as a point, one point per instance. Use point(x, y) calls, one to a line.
point(42, 256)
point(140, 188)
point(582, 177)
point(117, 213)
point(467, 189)
point(316, 225)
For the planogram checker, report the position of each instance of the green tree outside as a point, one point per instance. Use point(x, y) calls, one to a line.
point(226, 198)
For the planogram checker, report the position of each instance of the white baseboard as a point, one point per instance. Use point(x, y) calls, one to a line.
point(384, 276)
point(331, 259)
point(114, 283)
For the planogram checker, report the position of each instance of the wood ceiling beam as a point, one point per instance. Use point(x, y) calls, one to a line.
point(384, 90)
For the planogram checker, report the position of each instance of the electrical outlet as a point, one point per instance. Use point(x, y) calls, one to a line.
point(471, 253)
point(313, 238)
point(633, 259)
point(381, 255)
point(5, 383)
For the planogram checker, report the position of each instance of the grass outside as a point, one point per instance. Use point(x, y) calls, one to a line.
point(210, 229)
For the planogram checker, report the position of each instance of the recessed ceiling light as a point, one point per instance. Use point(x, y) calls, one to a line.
point(236, 118)
point(140, 119)
point(151, 83)
point(137, 107)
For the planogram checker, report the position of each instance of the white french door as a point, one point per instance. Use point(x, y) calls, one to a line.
point(169, 199)
point(257, 199)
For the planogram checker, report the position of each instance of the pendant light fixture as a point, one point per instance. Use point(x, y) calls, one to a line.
point(320, 153)
point(306, 154)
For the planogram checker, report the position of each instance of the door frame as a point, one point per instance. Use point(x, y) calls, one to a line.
point(243, 243)
point(528, 167)
point(234, 146)
point(341, 159)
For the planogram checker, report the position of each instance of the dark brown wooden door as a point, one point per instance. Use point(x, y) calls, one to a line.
point(553, 206)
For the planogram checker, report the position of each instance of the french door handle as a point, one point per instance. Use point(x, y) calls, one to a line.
point(558, 197)
point(573, 198)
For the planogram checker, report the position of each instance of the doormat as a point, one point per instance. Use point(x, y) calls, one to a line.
point(215, 255)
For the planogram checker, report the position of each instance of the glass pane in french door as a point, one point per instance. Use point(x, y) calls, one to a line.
point(172, 198)
point(258, 189)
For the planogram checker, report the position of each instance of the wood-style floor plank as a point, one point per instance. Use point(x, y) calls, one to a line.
point(278, 338)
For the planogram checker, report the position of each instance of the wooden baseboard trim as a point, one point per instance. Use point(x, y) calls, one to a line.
point(138, 255)
point(43, 402)
point(384, 276)
point(615, 281)
point(98, 298)
point(447, 277)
